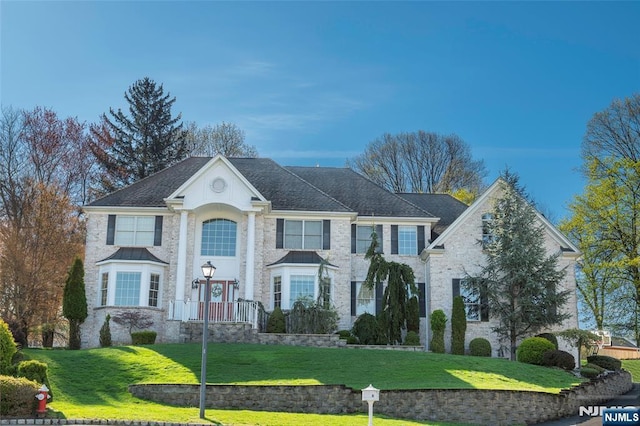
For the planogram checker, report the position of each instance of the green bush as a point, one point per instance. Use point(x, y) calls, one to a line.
point(589, 373)
point(352, 340)
point(480, 347)
point(558, 358)
point(413, 315)
point(438, 325)
point(344, 334)
point(105, 333)
point(145, 337)
point(8, 349)
point(532, 349)
point(412, 339)
point(595, 367)
point(458, 326)
point(606, 362)
point(36, 371)
point(18, 396)
point(365, 328)
point(550, 337)
point(275, 323)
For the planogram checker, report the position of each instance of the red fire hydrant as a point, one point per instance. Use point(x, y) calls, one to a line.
point(42, 397)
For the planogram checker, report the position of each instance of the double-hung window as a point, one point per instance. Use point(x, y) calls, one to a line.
point(361, 237)
point(408, 240)
point(487, 234)
point(471, 299)
point(301, 287)
point(365, 299)
point(303, 234)
point(277, 291)
point(135, 230)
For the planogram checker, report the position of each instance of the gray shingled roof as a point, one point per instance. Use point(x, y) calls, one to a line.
point(359, 193)
point(134, 253)
point(444, 206)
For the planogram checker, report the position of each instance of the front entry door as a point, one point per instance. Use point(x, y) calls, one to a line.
point(222, 297)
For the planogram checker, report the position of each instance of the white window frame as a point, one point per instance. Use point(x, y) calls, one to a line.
point(288, 271)
point(112, 268)
point(362, 294)
point(406, 246)
point(362, 243)
point(487, 235)
point(472, 304)
point(235, 251)
point(141, 234)
point(277, 284)
point(304, 236)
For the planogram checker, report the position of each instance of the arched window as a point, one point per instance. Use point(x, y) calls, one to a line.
point(218, 238)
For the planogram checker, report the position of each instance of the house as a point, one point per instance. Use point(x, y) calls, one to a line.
point(267, 228)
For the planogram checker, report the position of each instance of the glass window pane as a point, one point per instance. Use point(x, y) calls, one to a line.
point(218, 238)
point(301, 287)
point(365, 300)
point(313, 235)
point(127, 289)
point(154, 289)
point(293, 234)
point(408, 240)
point(363, 238)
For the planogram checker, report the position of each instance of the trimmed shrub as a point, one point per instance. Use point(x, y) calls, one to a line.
point(352, 340)
point(550, 337)
point(413, 315)
point(36, 371)
point(532, 349)
point(595, 367)
point(438, 325)
point(105, 333)
point(145, 337)
point(558, 358)
point(275, 323)
point(8, 349)
point(458, 326)
point(412, 339)
point(18, 396)
point(480, 347)
point(606, 362)
point(365, 328)
point(589, 373)
point(344, 334)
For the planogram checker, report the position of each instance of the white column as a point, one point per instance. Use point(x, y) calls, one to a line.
point(250, 259)
point(182, 256)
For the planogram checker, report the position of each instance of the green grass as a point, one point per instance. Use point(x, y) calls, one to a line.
point(633, 367)
point(93, 383)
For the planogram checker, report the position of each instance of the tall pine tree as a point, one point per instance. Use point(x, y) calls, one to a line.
point(519, 279)
point(133, 147)
point(74, 302)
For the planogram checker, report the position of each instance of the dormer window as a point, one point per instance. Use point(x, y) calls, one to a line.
point(487, 233)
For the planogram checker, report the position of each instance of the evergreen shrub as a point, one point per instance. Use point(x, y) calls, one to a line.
point(344, 334)
point(595, 367)
point(413, 315)
point(105, 333)
point(275, 323)
point(36, 371)
point(606, 362)
point(458, 326)
point(365, 328)
point(480, 347)
point(146, 337)
point(8, 349)
point(532, 349)
point(589, 373)
point(18, 396)
point(558, 358)
point(412, 339)
point(438, 325)
point(550, 337)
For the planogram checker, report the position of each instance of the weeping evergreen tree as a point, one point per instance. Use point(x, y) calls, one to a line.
point(519, 279)
point(395, 299)
point(74, 302)
point(149, 139)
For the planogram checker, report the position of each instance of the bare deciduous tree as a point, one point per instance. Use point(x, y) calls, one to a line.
point(420, 162)
point(225, 138)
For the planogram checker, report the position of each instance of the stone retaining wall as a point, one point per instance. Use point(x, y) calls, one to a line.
point(490, 407)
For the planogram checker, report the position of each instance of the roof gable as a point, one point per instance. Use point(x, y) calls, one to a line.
point(443, 206)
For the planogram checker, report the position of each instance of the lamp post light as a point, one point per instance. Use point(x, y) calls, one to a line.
point(207, 270)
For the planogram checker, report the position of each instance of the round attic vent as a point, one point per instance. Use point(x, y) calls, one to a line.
point(218, 185)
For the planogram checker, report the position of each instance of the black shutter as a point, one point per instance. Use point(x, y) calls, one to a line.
point(421, 244)
point(353, 298)
point(455, 287)
point(354, 229)
point(157, 236)
point(484, 306)
point(326, 235)
point(422, 300)
point(379, 288)
point(379, 233)
point(279, 233)
point(111, 229)
point(394, 239)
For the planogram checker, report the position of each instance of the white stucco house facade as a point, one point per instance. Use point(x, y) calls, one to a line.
point(266, 228)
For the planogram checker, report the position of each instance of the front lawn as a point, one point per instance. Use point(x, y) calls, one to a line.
point(93, 383)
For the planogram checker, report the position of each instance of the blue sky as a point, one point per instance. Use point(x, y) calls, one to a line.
point(314, 82)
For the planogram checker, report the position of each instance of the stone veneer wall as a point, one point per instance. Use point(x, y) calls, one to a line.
point(490, 407)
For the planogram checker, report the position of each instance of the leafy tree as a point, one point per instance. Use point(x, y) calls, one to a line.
point(400, 283)
point(225, 138)
point(420, 162)
point(8, 348)
point(519, 279)
point(458, 326)
point(129, 148)
point(578, 338)
point(74, 302)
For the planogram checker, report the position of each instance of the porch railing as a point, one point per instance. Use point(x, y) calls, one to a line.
point(188, 310)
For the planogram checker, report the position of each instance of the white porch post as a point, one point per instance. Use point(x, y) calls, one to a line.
point(182, 256)
point(250, 260)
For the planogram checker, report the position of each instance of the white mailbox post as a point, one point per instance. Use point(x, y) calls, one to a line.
point(371, 395)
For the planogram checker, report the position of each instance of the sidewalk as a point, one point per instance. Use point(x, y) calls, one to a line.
point(631, 398)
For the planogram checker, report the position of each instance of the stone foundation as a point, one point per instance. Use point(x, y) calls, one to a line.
point(489, 407)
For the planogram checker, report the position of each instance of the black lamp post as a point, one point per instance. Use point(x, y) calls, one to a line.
point(207, 270)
